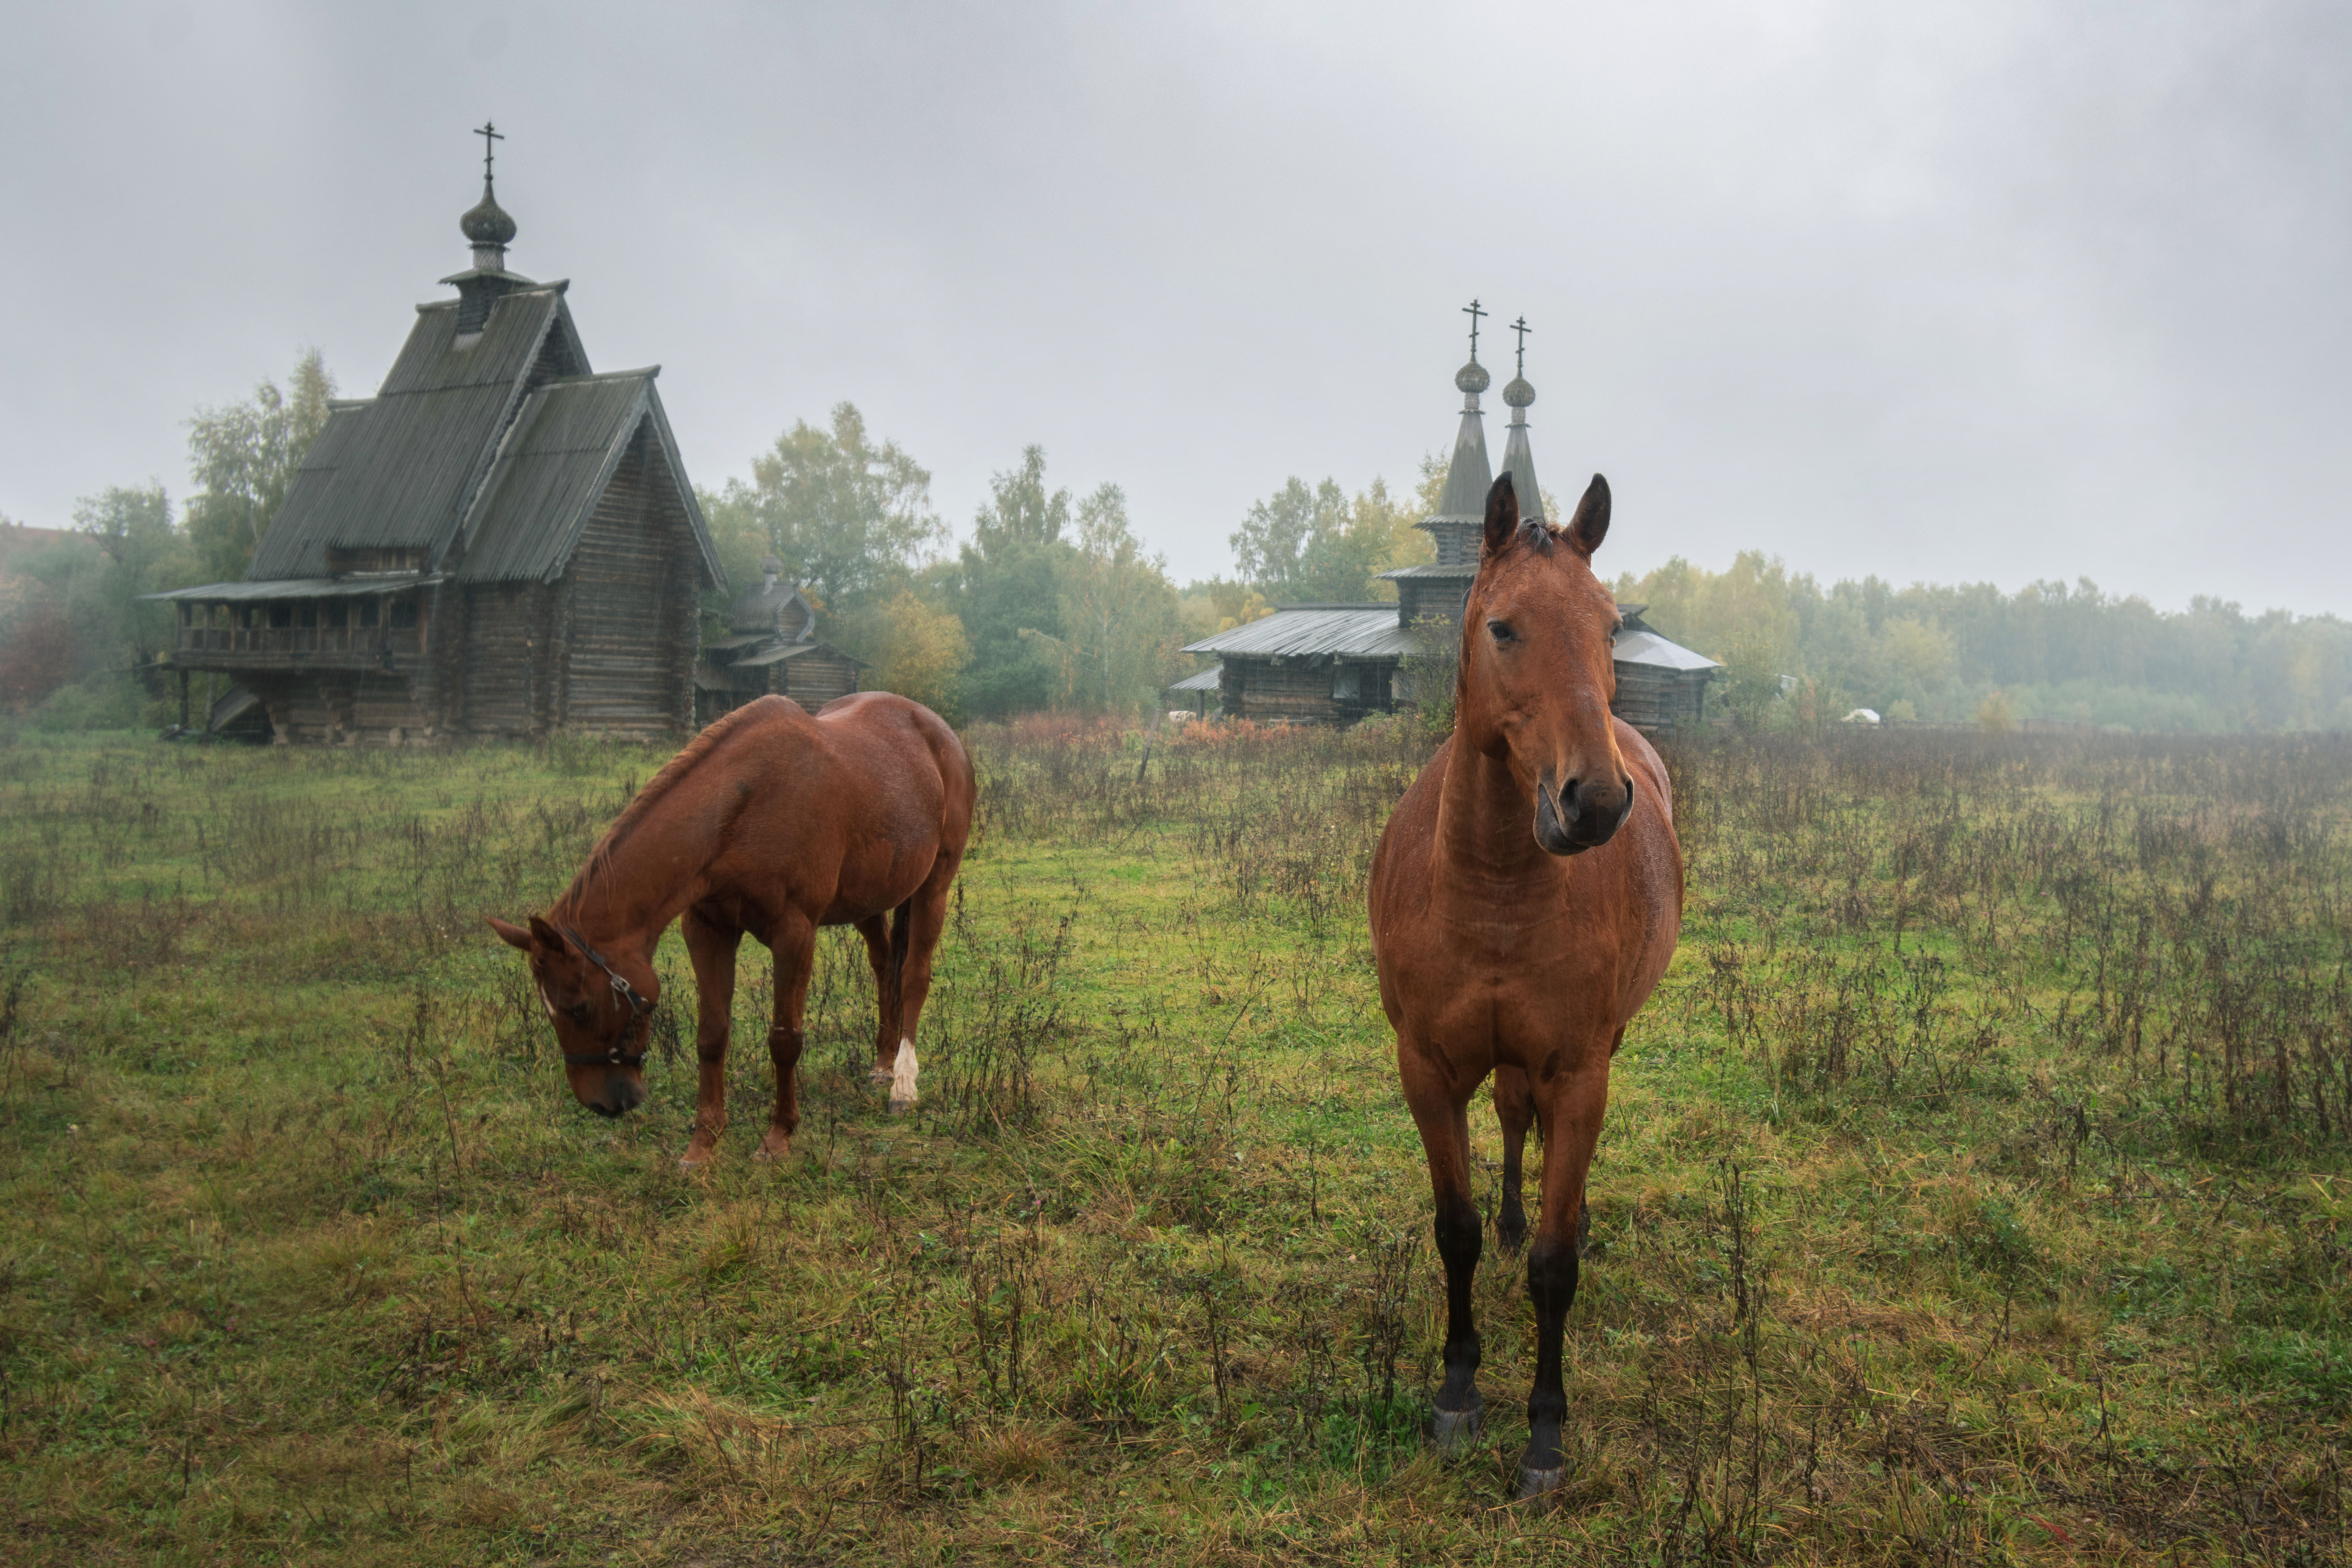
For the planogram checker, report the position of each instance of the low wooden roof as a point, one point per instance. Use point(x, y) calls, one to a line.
point(1350, 631)
point(1646, 647)
point(356, 585)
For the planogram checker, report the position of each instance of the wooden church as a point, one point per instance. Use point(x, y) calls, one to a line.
point(1323, 664)
point(501, 542)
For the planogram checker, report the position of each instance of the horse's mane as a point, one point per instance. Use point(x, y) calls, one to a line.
point(599, 859)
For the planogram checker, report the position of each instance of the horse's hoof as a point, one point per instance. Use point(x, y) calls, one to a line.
point(1451, 1431)
point(773, 1152)
point(693, 1160)
point(901, 1106)
point(1539, 1486)
point(880, 1075)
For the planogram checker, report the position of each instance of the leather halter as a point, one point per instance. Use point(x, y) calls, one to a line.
point(617, 1055)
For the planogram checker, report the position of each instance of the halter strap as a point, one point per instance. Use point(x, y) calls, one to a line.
point(618, 1055)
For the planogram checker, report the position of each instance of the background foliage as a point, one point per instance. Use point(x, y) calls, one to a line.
point(2053, 653)
point(1056, 606)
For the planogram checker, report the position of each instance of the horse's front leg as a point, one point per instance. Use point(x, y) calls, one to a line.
point(794, 942)
point(1514, 1108)
point(711, 945)
point(1440, 1108)
point(1577, 1101)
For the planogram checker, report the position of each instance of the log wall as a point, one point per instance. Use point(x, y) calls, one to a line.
point(1276, 691)
point(1659, 701)
point(1419, 598)
point(497, 675)
point(814, 679)
point(629, 610)
point(371, 708)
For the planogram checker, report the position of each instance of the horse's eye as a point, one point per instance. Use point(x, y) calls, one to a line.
point(1502, 631)
point(582, 1014)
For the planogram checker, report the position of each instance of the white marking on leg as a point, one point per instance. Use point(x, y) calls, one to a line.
point(902, 1077)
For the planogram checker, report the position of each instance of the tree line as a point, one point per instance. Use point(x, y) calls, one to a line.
point(1798, 652)
point(1049, 600)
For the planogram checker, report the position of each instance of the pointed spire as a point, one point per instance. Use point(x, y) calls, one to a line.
point(1519, 458)
point(1464, 499)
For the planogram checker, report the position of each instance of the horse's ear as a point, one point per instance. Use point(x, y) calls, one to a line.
point(1502, 514)
point(1591, 524)
point(512, 935)
point(546, 937)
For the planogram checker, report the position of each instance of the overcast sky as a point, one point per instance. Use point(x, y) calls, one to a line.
point(1935, 292)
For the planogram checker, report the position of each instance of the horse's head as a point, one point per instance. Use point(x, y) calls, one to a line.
point(1537, 676)
point(602, 1005)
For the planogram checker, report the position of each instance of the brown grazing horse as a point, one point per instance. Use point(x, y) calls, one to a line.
point(774, 823)
point(1525, 901)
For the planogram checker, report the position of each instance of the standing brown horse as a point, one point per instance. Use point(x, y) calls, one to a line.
point(1525, 901)
point(774, 823)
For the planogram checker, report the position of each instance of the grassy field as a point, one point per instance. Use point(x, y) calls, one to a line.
point(1976, 1190)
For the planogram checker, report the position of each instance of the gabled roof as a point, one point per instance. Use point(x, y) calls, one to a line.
point(398, 470)
point(1646, 647)
point(552, 465)
point(1352, 631)
point(775, 606)
point(501, 439)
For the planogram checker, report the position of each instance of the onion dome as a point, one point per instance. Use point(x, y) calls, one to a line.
point(487, 223)
point(1472, 378)
point(1518, 394)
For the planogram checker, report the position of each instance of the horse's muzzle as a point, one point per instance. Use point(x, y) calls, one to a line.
point(621, 1096)
point(1567, 822)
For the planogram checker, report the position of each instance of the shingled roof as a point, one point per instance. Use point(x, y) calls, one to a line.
point(570, 436)
point(1298, 631)
point(496, 441)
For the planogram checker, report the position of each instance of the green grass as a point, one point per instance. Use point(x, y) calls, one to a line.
point(1974, 1190)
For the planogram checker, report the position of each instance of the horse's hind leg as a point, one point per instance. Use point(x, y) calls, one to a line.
point(794, 942)
point(876, 929)
point(915, 940)
point(1515, 1107)
point(711, 947)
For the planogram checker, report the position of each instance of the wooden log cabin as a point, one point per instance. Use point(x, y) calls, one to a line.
point(1330, 664)
point(772, 647)
point(500, 542)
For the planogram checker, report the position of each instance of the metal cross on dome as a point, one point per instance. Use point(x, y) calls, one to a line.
point(1521, 327)
point(1473, 311)
point(490, 132)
